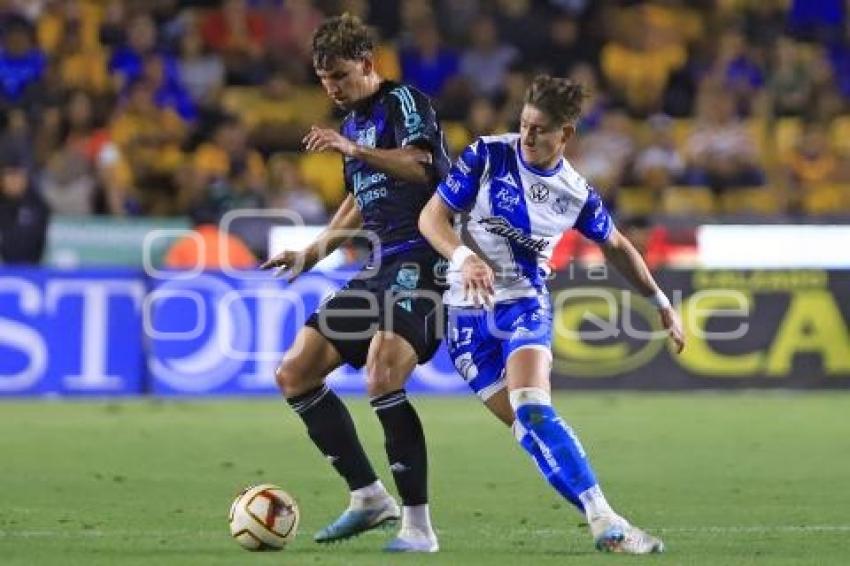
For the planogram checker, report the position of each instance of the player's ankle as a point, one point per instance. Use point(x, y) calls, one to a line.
point(375, 491)
point(416, 519)
point(596, 507)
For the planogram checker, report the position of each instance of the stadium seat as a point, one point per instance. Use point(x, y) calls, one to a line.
point(636, 201)
point(787, 132)
point(305, 105)
point(840, 135)
point(682, 129)
point(757, 128)
point(457, 136)
point(766, 200)
point(688, 201)
point(826, 199)
point(324, 172)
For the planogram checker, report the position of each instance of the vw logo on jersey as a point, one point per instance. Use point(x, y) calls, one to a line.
point(538, 193)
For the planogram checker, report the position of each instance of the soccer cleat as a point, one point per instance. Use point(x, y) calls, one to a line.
point(356, 520)
point(619, 536)
point(413, 540)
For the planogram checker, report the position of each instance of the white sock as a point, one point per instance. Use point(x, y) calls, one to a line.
point(374, 490)
point(595, 504)
point(417, 518)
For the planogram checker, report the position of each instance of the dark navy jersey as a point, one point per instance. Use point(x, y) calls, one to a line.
point(396, 116)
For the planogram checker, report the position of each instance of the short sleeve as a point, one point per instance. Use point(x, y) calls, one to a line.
point(594, 222)
point(414, 120)
point(460, 187)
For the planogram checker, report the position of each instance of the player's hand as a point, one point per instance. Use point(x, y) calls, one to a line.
point(325, 139)
point(671, 322)
point(477, 281)
point(290, 263)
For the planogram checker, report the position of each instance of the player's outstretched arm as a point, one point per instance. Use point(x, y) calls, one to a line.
point(410, 163)
point(340, 229)
point(435, 224)
point(620, 252)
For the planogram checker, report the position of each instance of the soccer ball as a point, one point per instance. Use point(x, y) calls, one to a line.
point(264, 517)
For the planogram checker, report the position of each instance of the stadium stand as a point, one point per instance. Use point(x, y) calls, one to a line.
point(727, 108)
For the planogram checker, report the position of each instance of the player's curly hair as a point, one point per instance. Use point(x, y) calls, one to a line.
point(560, 98)
point(341, 37)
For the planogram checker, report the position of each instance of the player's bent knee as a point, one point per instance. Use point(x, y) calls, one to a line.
point(385, 374)
point(293, 379)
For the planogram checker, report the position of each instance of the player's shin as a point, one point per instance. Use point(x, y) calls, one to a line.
point(559, 448)
point(552, 475)
point(330, 427)
point(408, 456)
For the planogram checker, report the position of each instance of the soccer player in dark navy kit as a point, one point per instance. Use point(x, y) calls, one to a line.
point(394, 155)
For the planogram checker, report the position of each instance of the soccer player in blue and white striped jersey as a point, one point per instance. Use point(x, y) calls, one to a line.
point(511, 196)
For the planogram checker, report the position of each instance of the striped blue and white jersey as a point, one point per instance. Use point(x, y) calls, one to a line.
point(512, 214)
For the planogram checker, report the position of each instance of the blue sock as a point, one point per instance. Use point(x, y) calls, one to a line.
point(554, 478)
point(556, 441)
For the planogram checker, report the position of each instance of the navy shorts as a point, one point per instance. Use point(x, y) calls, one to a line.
point(402, 296)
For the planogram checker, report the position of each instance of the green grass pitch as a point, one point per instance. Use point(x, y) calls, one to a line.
point(755, 478)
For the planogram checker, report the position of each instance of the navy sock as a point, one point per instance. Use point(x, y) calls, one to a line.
point(330, 427)
point(405, 444)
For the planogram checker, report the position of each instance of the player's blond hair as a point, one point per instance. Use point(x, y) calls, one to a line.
point(558, 97)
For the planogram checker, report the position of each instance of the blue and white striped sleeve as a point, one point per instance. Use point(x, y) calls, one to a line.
point(594, 222)
point(460, 187)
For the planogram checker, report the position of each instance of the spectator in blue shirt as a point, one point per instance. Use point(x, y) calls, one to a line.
point(168, 94)
point(127, 63)
point(22, 64)
point(819, 20)
point(427, 64)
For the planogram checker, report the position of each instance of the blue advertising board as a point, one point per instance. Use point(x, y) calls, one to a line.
point(120, 332)
point(71, 333)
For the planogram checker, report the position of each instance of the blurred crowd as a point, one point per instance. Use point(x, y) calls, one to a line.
point(166, 107)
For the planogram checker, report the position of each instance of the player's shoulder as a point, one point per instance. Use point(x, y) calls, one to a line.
point(405, 96)
point(573, 181)
point(506, 139)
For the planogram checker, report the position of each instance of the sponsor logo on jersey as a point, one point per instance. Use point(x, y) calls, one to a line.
point(363, 182)
point(453, 183)
point(413, 122)
point(406, 280)
point(367, 136)
point(507, 199)
point(538, 193)
point(501, 227)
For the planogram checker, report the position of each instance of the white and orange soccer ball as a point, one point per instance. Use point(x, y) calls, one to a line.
point(264, 517)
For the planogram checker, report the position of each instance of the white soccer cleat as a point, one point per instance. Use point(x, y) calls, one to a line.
point(617, 535)
point(413, 540)
point(360, 517)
